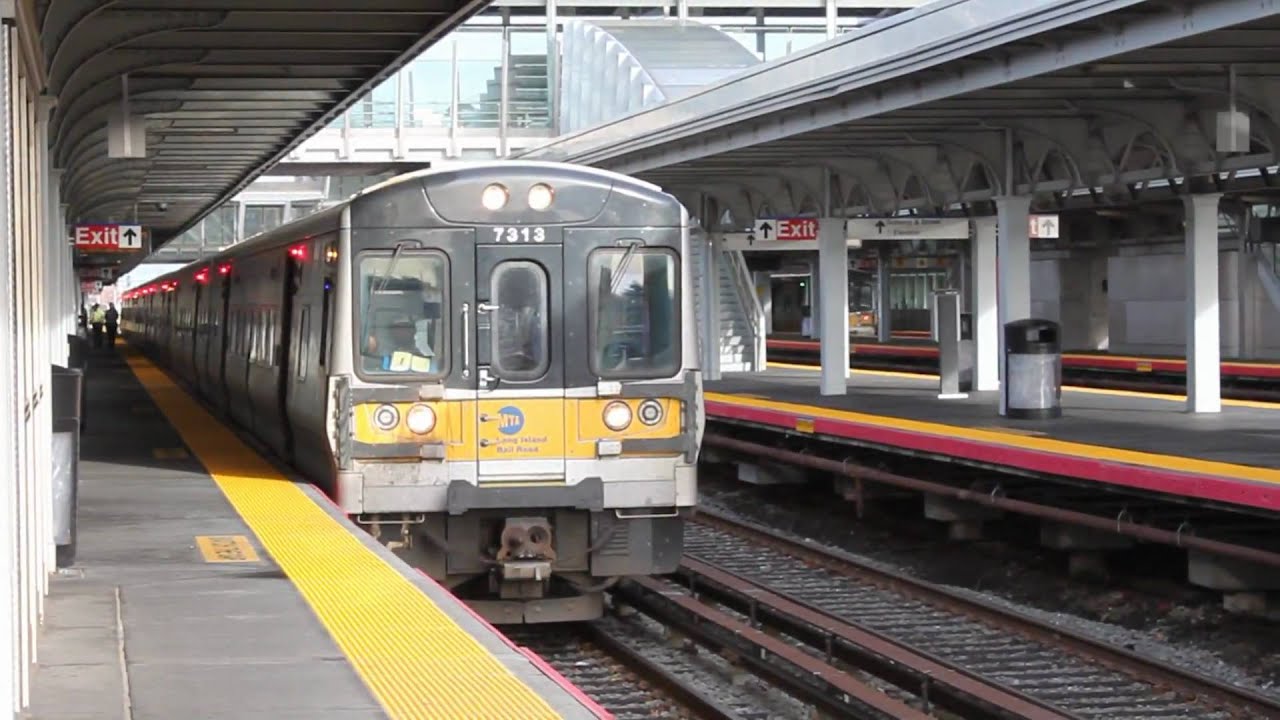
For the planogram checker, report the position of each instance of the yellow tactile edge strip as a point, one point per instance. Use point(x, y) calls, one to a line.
point(415, 660)
point(1060, 447)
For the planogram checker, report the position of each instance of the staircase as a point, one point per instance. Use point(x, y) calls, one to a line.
point(726, 292)
point(528, 97)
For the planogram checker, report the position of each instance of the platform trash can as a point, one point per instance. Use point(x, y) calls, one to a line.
point(78, 359)
point(1033, 369)
point(67, 405)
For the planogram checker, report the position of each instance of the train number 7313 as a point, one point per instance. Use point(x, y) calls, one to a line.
point(519, 234)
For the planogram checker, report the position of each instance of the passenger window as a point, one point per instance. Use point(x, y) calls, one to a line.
point(520, 332)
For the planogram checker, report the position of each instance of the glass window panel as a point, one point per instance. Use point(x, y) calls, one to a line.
point(479, 78)
point(634, 313)
point(403, 326)
point(259, 218)
point(528, 90)
point(520, 334)
point(429, 89)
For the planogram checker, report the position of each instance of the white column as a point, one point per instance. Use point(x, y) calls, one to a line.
point(1204, 379)
point(833, 278)
point(986, 320)
point(1013, 267)
point(10, 586)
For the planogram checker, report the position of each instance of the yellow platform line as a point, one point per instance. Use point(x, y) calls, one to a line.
point(413, 657)
point(1010, 439)
point(1168, 397)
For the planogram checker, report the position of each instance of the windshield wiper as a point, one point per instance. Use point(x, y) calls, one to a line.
point(374, 294)
point(622, 267)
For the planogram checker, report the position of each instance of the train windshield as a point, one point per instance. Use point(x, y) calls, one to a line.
point(402, 326)
point(634, 312)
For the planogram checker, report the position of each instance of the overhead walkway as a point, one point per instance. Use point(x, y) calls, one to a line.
point(208, 584)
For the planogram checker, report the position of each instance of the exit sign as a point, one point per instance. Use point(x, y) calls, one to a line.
point(108, 238)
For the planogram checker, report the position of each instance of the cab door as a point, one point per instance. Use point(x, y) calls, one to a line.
point(520, 398)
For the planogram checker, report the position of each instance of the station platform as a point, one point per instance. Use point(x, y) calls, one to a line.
point(918, 348)
point(208, 584)
point(1134, 440)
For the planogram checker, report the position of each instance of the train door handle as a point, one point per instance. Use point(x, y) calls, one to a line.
point(485, 307)
point(466, 340)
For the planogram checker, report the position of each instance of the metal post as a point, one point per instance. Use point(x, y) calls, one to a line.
point(946, 304)
point(553, 67)
point(504, 93)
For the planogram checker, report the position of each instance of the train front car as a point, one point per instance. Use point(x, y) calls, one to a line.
point(524, 403)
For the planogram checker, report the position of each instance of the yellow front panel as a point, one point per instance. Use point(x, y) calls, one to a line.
point(521, 429)
point(587, 417)
point(455, 427)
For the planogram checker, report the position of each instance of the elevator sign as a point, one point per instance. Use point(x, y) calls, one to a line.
point(786, 229)
point(108, 238)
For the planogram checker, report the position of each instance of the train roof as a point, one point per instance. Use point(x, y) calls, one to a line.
point(283, 235)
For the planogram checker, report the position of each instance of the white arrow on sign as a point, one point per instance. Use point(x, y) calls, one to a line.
point(1044, 227)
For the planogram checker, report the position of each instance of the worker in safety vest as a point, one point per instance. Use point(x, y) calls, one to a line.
point(97, 319)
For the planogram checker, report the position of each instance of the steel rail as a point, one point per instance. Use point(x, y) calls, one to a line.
point(1247, 703)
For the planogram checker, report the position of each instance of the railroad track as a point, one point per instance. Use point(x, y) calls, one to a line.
point(636, 672)
point(926, 647)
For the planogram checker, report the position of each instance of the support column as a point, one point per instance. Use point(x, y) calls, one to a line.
point(833, 276)
point(1204, 371)
point(10, 584)
point(986, 320)
point(884, 322)
point(713, 338)
point(1013, 267)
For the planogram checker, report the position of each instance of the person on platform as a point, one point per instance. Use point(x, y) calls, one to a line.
point(112, 318)
point(97, 320)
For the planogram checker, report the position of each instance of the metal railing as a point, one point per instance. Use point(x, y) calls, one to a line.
point(750, 304)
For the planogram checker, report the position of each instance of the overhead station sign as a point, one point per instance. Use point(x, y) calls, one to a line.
point(108, 238)
point(908, 228)
point(787, 229)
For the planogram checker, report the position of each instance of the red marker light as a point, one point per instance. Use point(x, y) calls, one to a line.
point(202, 277)
point(224, 269)
point(298, 252)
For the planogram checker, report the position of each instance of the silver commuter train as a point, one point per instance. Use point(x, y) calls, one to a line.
point(490, 367)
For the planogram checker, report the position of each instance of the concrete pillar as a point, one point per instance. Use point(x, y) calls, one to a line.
point(884, 272)
point(1204, 371)
point(986, 320)
point(964, 520)
point(833, 274)
point(1013, 267)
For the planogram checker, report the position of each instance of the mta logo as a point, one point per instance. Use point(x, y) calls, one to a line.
point(510, 420)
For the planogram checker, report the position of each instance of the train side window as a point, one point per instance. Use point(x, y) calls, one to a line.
point(324, 324)
point(634, 312)
point(304, 342)
point(520, 336)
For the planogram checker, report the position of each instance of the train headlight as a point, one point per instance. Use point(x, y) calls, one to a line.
point(540, 196)
point(494, 197)
point(617, 416)
point(386, 417)
point(421, 420)
point(650, 412)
